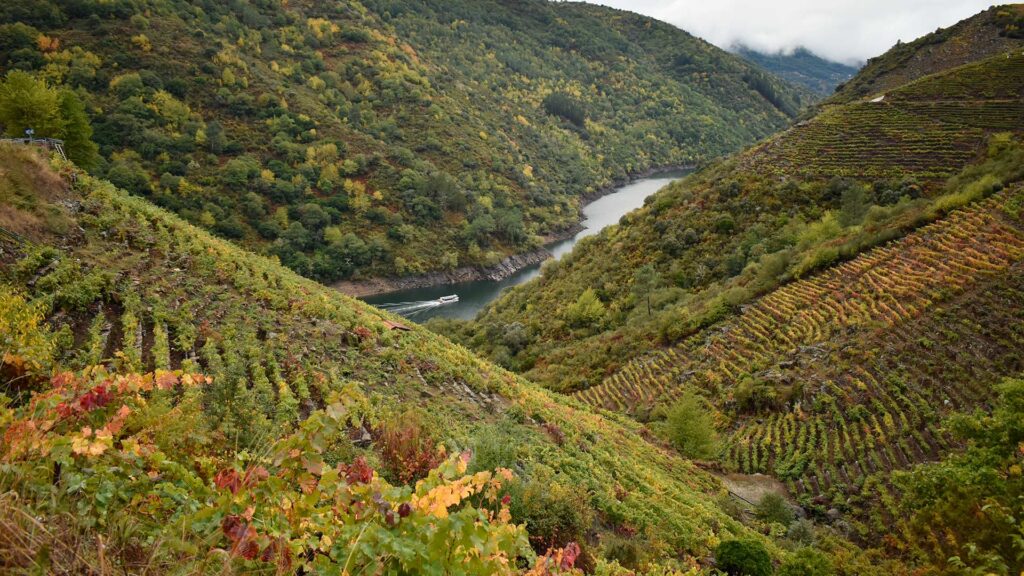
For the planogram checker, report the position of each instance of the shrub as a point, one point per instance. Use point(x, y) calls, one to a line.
point(743, 558)
point(774, 508)
point(587, 310)
point(493, 448)
point(691, 428)
point(801, 532)
point(407, 451)
point(284, 511)
point(806, 562)
point(555, 514)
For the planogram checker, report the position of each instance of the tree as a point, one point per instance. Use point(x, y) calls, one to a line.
point(854, 205)
point(645, 281)
point(77, 133)
point(691, 428)
point(773, 508)
point(743, 558)
point(27, 102)
point(565, 106)
point(587, 310)
point(215, 138)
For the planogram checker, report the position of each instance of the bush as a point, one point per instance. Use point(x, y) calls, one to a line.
point(407, 450)
point(691, 428)
point(801, 532)
point(493, 448)
point(807, 562)
point(555, 514)
point(743, 558)
point(774, 508)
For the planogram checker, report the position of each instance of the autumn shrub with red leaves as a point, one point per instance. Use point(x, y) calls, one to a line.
point(407, 450)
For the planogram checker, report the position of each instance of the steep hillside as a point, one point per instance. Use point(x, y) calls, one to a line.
point(386, 138)
point(994, 31)
point(851, 177)
point(802, 68)
point(113, 280)
point(833, 382)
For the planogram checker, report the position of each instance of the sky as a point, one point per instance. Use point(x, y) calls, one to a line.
point(848, 31)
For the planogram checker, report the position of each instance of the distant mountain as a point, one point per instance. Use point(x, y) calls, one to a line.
point(802, 67)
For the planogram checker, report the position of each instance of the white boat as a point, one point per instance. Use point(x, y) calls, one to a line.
point(448, 299)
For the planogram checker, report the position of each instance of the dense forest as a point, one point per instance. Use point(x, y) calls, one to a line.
point(382, 138)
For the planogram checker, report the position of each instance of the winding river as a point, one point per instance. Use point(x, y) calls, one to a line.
point(473, 296)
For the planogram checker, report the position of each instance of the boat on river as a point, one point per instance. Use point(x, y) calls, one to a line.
point(452, 299)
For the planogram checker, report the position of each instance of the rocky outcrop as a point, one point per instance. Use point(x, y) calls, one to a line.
point(500, 271)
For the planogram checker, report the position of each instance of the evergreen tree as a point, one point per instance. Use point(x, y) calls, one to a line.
point(77, 133)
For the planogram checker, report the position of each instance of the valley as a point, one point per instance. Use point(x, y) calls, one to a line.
point(475, 295)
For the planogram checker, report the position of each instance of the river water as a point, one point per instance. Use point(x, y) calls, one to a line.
point(473, 296)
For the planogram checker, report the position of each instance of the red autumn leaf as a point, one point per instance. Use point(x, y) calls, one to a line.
point(569, 555)
point(359, 472)
point(505, 500)
point(248, 550)
point(166, 380)
point(229, 479)
point(98, 397)
point(62, 379)
point(255, 475)
point(64, 410)
point(233, 527)
point(268, 553)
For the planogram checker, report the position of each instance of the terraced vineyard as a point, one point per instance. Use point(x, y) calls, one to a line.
point(926, 130)
point(997, 78)
point(856, 365)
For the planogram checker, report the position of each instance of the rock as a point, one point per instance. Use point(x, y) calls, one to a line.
point(833, 514)
point(500, 271)
point(363, 438)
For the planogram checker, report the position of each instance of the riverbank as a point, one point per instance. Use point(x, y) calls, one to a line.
point(507, 267)
point(648, 173)
point(504, 269)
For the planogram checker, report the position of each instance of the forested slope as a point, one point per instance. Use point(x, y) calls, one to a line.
point(385, 138)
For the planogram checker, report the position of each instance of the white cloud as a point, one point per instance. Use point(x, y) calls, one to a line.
point(842, 30)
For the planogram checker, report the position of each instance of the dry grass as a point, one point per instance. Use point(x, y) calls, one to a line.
point(29, 192)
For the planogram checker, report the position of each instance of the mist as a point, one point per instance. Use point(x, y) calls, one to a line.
point(843, 31)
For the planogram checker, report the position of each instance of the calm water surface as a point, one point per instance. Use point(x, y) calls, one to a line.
point(473, 296)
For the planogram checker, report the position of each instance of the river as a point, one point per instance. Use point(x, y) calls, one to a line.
point(473, 296)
